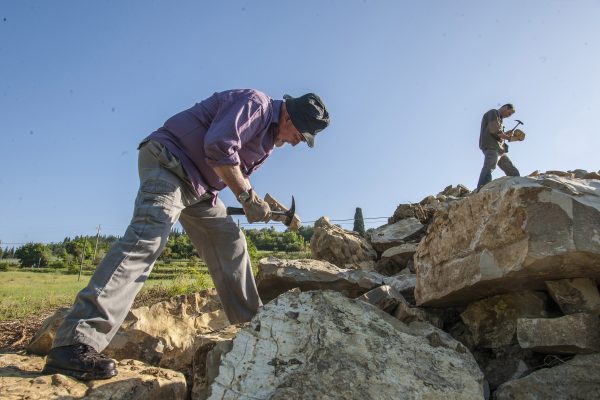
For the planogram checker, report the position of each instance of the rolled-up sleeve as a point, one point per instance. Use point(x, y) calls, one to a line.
point(234, 124)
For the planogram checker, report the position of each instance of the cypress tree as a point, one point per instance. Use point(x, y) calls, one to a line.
point(359, 222)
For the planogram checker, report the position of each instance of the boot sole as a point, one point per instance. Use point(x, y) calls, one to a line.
point(81, 375)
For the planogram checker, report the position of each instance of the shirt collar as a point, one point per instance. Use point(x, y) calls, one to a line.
point(276, 106)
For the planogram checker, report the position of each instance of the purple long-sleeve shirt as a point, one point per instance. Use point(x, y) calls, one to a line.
point(234, 127)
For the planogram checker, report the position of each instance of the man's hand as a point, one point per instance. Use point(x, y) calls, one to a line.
point(505, 136)
point(277, 206)
point(256, 209)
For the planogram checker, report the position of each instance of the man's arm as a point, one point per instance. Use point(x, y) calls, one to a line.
point(255, 208)
point(233, 178)
point(495, 128)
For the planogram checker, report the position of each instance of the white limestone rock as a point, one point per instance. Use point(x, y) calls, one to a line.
point(321, 344)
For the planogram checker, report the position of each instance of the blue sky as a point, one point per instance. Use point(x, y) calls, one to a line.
point(405, 82)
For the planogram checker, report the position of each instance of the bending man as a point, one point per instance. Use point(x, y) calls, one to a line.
point(182, 167)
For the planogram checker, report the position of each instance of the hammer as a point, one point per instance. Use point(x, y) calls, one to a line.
point(289, 214)
point(519, 122)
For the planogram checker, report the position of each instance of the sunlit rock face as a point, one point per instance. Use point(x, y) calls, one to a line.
point(340, 247)
point(320, 344)
point(164, 334)
point(515, 234)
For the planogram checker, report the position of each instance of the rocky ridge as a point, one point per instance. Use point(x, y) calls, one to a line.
point(463, 295)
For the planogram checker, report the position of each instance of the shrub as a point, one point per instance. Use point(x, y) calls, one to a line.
point(72, 269)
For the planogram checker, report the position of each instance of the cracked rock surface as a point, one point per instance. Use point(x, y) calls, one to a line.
point(320, 344)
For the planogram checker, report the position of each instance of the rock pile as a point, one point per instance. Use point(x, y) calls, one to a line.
point(461, 296)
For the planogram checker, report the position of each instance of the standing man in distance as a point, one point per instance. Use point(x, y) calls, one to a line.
point(182, 166)
point(491, 143)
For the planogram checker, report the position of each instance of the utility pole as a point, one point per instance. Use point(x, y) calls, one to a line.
point(82, 257)
point(96, 246)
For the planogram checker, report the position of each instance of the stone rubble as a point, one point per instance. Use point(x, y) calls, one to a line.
point(490, 294)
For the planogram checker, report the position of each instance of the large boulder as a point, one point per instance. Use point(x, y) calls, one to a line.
point(277, 276)
point(165, 334)
point(323, 345)
point(339, 246)
point(515, 234)
point(575, 379)
point(21, 378)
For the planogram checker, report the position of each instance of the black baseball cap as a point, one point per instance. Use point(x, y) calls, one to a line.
point(308, 114)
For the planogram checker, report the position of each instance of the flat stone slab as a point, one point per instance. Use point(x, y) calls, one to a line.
point(395, 234)
point(277, 276)
point(571, 334)
point(578, 295)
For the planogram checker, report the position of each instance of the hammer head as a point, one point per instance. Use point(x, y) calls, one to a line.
point(289, 214)
point(520, 122)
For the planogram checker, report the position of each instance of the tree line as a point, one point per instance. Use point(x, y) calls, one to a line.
point(91, 249)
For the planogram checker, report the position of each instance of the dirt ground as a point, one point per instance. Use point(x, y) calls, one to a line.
point(16, 334)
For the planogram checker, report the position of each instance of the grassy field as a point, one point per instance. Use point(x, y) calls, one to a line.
point(23, 292)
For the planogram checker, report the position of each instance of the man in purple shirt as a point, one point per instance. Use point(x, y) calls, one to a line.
point(182, 166)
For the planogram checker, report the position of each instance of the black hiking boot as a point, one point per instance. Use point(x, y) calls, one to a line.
point(79, 361)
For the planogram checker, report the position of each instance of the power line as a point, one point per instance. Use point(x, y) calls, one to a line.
point(341, 221)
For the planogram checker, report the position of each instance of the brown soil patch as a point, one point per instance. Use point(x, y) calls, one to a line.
point(16, 334)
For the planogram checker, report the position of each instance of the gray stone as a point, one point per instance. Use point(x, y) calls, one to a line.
point(571, 334)
point(576, 379)
point(578, 295)
point(514, 234)
point(395, 234)
point(493, 321)
point(385, 297)
point(407, 314)
point(277, 276)
point(396, 258)
point(309, 345)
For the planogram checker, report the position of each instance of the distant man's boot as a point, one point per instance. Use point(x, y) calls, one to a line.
point(79, 361)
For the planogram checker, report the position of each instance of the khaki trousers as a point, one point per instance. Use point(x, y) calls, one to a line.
point(164, 197)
